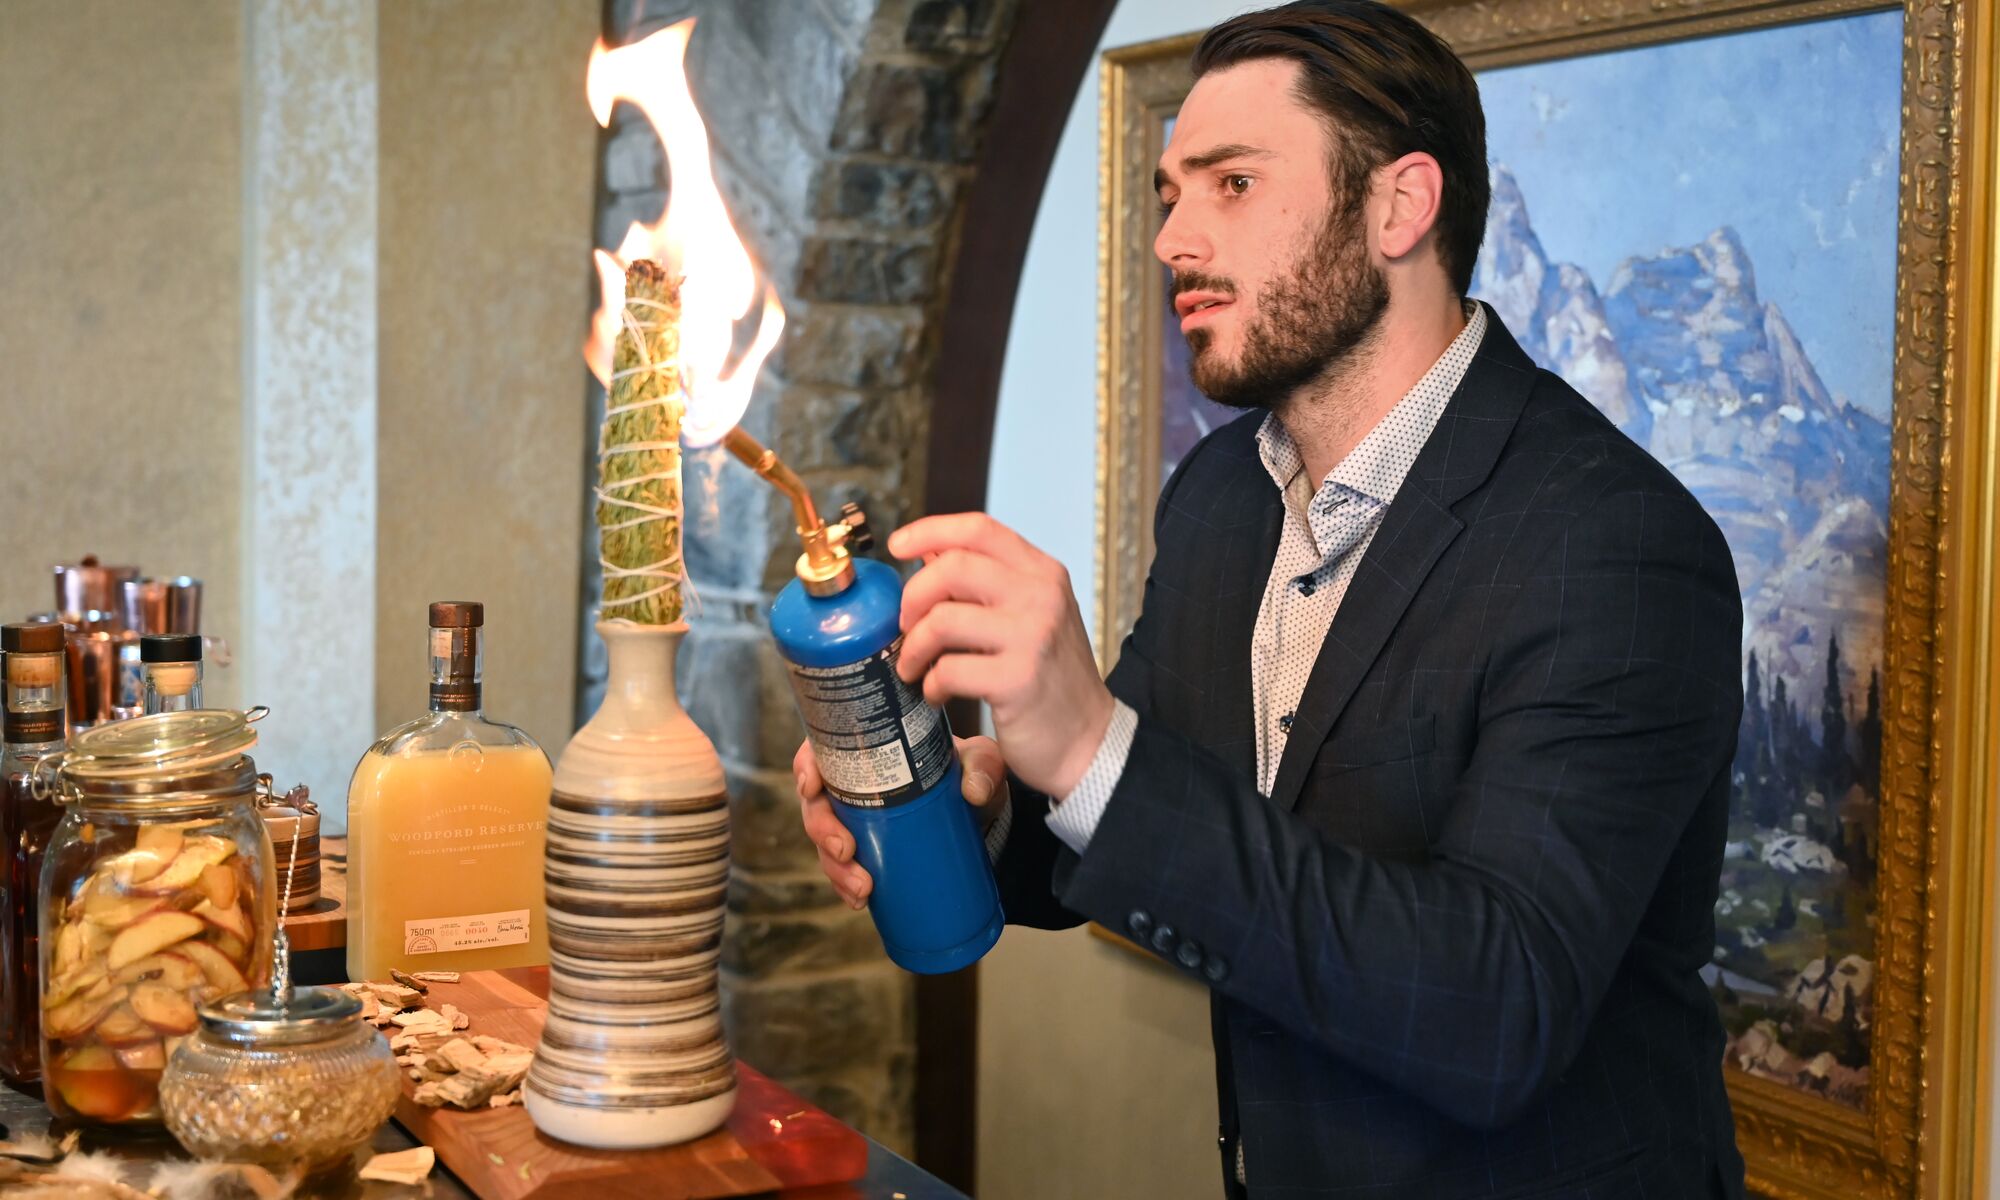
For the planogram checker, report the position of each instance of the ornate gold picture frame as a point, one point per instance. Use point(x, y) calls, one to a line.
point(1919, 1127)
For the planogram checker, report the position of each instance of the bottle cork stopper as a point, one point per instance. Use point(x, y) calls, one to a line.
point(34, 670)
point(173, 679)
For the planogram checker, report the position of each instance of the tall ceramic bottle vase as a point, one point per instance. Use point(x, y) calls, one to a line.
point(638, 866)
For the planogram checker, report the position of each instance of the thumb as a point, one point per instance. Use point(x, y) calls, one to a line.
point(985, 771)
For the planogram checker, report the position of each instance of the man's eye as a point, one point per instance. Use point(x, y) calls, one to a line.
point(1166, 209)
point(1237, 184)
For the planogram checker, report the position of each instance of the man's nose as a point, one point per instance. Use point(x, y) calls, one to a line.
point(1179, 244)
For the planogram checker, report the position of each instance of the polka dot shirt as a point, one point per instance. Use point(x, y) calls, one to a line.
point(1326, 533)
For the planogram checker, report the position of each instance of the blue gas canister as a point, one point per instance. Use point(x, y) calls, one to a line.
point(887, 757)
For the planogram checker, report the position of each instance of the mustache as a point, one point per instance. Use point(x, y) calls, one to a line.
point(1196, 281)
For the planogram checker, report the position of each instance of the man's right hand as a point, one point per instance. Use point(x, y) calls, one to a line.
point(985, 789)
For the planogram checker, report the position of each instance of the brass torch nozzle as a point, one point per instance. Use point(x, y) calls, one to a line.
point(825, 568)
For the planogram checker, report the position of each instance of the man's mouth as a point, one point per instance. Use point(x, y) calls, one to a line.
point(1196, 309)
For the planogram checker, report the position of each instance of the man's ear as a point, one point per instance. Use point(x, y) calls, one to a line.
point(1415, 187)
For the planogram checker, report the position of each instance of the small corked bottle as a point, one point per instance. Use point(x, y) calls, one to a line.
point(173, 671)
point(35, 725)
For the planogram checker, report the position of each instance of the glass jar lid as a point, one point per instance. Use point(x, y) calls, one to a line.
point(273, 1018)
point(173, 743)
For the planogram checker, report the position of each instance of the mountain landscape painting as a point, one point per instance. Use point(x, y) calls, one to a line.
point(1701, 238)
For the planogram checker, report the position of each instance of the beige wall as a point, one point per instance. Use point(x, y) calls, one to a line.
point(120, 295)
point(123, 313)
point(1095, 1074)
point(488, 168)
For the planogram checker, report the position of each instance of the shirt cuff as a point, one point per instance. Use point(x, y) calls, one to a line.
point(1074, 818)
point(996, 833)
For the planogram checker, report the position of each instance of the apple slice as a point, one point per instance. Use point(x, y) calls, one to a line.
point(71, 950)
point(149, 936)
point(75, 1017)
point(80, 943)
point(219, 970)
point(123, 1026)
point(163, 1008)
point(229, 920)
point(156, 846)
point(76, 982)
point(218, 882)
point(92, 1084)
point(170, 969)
point(234, 948)
point(144, 1056)
point(161, 841)
point(114, 911)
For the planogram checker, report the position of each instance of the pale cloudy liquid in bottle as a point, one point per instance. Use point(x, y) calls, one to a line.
point(445, 848)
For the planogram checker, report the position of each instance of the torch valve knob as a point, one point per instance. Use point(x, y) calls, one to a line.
point(860, 539)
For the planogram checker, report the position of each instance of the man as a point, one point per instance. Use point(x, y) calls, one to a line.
point(1418, 754)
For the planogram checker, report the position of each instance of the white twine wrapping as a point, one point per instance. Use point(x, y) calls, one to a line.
point(670, 572)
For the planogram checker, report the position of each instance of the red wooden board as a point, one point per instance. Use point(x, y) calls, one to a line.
point(773, 1139)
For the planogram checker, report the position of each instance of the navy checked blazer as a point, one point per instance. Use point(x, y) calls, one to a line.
point(1455, 953)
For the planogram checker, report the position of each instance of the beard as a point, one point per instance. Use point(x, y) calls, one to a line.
point(1310, 320)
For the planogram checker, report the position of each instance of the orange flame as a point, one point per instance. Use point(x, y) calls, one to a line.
point(693, 238)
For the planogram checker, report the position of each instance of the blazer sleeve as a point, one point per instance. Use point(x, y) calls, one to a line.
point(1609, 704)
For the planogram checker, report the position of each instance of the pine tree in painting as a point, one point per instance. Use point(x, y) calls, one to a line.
point(1835, 771)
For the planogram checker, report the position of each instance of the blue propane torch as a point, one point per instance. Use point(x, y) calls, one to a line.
point(887, 757)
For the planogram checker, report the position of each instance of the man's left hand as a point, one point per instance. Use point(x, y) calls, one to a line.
point(989, 617)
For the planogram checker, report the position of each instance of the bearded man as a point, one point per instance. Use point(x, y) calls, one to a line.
point(1418, 755)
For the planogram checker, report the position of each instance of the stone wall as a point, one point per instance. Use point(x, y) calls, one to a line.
point(842, 132)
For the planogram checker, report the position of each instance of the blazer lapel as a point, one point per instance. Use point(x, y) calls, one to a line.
point(1242, 568)
point(1415, 532)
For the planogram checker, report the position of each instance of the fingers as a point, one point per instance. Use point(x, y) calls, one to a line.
point(805, 769)
point(956, 575)
point(850, 881)
point(963, 531)
point(952, 627)
point(830, 839)
point(972, 677)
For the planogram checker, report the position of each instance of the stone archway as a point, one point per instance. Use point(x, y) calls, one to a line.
point(883, 159)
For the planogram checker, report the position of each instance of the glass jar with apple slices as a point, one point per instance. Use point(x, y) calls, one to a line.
point(156, 898)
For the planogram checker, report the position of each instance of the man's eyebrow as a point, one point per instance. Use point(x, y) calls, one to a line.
point(1209, 158)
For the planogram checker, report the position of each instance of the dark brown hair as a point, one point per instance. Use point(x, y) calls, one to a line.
point(1387, 87)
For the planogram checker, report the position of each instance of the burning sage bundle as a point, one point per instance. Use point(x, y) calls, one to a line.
point(639, 455)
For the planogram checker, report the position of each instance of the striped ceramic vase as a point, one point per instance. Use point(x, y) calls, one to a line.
point(638, 865)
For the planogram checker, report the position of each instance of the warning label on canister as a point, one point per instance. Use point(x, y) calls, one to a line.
point(877, 742)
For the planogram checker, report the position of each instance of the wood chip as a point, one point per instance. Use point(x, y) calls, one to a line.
point(422, 1021)
point(436, 976)
point(462, 1055)
point(409, 981)
point(405, 1166)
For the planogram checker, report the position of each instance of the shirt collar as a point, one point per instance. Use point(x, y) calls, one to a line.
point(1376, 467)
point(1378, 463)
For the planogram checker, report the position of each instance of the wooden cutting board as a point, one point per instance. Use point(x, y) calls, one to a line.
point(773, 1140)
